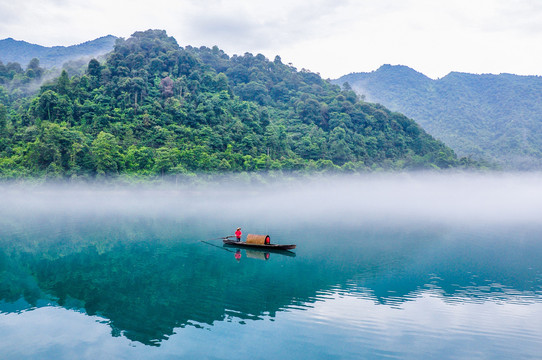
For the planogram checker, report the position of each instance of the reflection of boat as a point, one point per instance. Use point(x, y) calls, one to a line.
point(263, 250)
point(254, 254)
point(259, 246)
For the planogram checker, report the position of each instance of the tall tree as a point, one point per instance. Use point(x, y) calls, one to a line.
point(106, 154)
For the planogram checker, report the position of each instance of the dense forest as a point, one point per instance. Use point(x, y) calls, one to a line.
point(496, 117)
point(153, 108)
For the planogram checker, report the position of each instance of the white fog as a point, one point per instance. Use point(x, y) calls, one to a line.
point(469, 199)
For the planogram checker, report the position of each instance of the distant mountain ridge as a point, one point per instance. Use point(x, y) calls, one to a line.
point(497, 117)
point(22, 52)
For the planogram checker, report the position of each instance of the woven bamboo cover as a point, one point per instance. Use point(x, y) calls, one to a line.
point(258, 239)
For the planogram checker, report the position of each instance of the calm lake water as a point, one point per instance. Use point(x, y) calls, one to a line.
point(406, 267)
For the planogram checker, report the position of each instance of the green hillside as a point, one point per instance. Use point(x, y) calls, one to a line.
point(22, 52)
point(497, 117)
point(154, 108)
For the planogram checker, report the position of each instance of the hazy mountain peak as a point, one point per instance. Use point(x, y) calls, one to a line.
point(401, 70)
point(488, 116)
point(397, 68)
point(22, 52)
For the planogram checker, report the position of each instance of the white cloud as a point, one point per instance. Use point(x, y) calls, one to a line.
point(330, 37)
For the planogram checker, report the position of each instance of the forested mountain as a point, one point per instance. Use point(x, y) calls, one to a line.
point(154, 108)
point(498, 117)
point(22, 52)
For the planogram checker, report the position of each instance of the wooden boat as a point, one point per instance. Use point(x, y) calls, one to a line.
point(258, 246)
point(265, 250)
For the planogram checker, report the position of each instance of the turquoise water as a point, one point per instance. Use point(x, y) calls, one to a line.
point(135, 275)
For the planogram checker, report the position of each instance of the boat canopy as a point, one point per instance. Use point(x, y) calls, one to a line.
point(258, 239)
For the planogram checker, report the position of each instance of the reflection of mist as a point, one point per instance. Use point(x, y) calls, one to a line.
point(467, 199)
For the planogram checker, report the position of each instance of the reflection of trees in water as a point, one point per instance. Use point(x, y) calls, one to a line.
point(147, 291)
point(147, 282)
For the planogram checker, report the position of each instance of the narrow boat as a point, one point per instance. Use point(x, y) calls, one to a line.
point(258, 241)
point(259, 246)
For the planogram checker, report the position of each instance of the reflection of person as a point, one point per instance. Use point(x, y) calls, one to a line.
point(238, 234)
point(238, 255)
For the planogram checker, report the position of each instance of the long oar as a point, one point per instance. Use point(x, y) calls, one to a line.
point(222, 238)
point(220, 247)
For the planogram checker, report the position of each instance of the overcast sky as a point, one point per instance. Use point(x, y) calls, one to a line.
point(332, 37)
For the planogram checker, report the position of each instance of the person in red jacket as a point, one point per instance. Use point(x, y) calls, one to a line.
point(238, 234)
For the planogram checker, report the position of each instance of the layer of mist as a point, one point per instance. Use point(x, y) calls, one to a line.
point(455, 199)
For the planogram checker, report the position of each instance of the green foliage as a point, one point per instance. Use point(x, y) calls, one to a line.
point(106, 154)
point(3, 118)
point(493, 117)
point(154, 108)
point(16, 83)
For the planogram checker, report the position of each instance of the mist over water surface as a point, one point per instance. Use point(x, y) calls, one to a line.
point(465, 199)
point(386, 266)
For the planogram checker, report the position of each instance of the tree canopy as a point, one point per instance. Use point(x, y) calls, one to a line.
point(154, 108)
